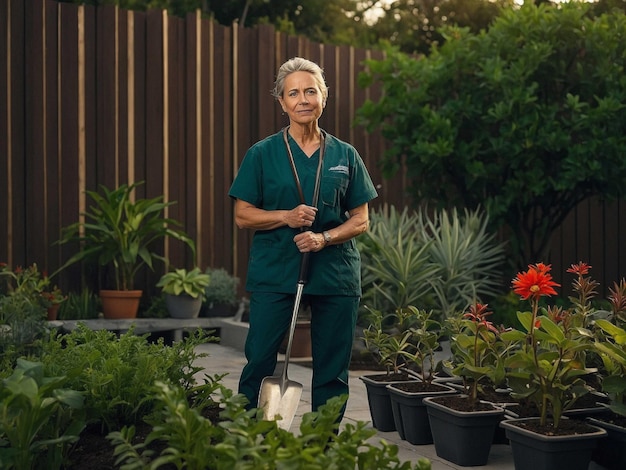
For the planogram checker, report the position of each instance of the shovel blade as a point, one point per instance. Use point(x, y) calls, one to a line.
point(277, 404)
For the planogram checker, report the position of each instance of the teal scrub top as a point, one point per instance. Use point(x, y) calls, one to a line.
point(265, 180)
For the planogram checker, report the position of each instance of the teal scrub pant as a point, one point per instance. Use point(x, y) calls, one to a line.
point(333, 321)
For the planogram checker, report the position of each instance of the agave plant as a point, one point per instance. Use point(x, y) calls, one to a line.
point(445, 261)
point(466, 256)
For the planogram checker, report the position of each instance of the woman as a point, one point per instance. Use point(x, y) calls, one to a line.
point(268, 200)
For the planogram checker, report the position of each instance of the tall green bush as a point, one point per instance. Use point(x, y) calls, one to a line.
point(526, 119)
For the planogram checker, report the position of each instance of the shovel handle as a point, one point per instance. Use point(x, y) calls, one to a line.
point(304, 268)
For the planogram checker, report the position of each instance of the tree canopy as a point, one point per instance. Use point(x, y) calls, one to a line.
point(526, 119)
point(411, 25)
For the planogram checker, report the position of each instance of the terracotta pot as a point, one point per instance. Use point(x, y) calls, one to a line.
point(118, 304)
point(53, 311)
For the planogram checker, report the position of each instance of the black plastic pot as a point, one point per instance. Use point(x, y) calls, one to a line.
point(410, 414)
point(461, 437)
point(611, 451)
point(379, 402)
point(534, 451)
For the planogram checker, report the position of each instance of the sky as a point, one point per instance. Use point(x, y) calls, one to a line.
point(373, 14)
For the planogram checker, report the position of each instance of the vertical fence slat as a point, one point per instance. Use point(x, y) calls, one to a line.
point(18, 253)
point(138, 147)
point(35, 183)
point(51, 130)
point(68, 63)
point(191, 100)
point(5, 120)
point(154, 104)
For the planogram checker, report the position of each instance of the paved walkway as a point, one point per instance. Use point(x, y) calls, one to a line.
point(224, 359)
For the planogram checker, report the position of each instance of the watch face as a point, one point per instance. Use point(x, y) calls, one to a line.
point(327, 236)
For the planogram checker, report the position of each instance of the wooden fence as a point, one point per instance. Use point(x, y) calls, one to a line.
point(95, 96)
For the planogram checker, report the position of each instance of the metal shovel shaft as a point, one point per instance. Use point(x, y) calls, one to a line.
point(280, 396)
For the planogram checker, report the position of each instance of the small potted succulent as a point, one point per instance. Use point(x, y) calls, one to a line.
point(53, 299)
point(184, 291)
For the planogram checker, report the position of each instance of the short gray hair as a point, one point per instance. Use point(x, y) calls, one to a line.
point(298, 64)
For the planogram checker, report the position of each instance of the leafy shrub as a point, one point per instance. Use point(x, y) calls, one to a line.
point(222, 289)
point(23, 317)
point(39, 418)
point(117, 374)
point(243, 440)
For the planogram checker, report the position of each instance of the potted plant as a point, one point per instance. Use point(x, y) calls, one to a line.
point(120, 232)
point(611, 452)
point(409, 411)
point(388, 338)
point(611, 346)
point(53, 299)
point(184, 291)
point(220, 296)
point(548, 367)
point(36, 286)
point(463, 426)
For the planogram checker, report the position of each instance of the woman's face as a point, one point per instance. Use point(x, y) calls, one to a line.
point(302, 99)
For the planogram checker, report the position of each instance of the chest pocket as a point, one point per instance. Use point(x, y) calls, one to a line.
point(333, 190)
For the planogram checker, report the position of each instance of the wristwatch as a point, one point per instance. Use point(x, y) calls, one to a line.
point(327, 237)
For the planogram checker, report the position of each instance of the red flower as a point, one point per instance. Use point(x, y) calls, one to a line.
point(535, 282)
point(478, 313)
point(581, 268)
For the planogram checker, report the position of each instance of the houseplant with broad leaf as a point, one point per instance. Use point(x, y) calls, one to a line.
point(120, 232)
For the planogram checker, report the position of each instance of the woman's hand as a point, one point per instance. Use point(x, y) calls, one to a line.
point(309, 241)
point(301, 216)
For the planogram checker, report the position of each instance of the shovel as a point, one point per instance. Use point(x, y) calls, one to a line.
point(279, 397)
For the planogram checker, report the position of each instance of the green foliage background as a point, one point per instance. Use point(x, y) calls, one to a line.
point(526, 119)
